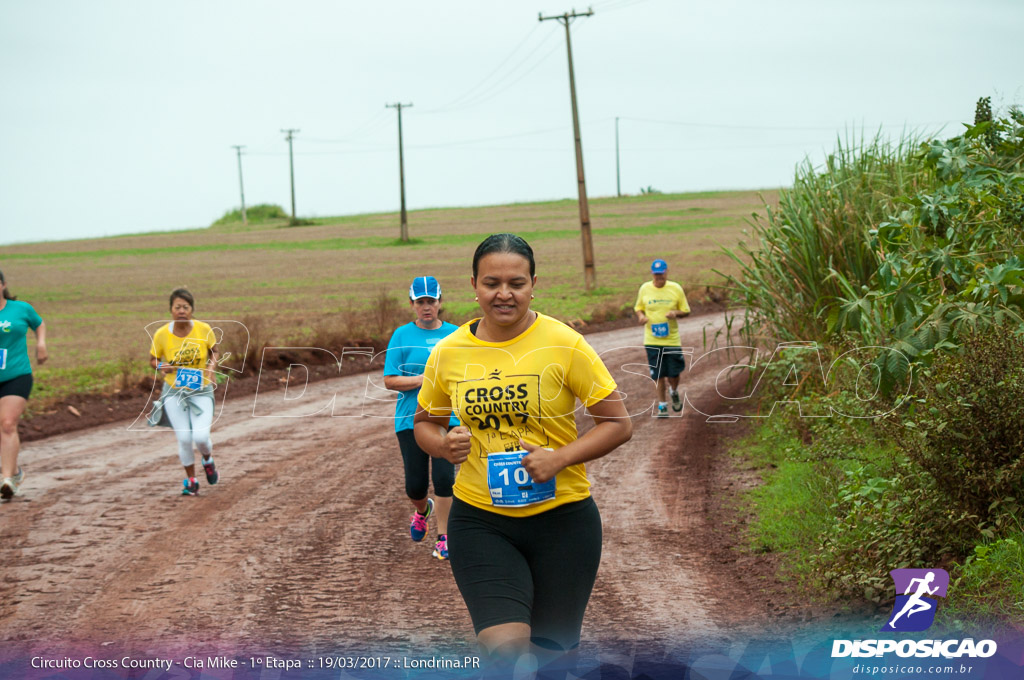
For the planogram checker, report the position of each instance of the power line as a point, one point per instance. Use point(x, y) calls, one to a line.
point(730, 126)
point(470, 91)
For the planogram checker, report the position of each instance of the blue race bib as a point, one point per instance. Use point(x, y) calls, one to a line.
point(510, 484)
point(3, 359)
point(659, 330)
point(188, 379)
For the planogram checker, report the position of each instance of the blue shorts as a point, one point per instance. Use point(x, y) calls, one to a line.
point(665, 361)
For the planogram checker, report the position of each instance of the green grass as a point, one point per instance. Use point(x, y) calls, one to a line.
point(789, 505)
point(990, 586)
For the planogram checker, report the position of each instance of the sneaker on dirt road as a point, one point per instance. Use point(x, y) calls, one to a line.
point(211, 471)
point(418, 522)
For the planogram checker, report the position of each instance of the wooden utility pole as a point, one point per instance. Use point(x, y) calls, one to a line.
point(589, 273)
point(241, 186)
point(618, 183)
point(401, 169)
point(290, 132)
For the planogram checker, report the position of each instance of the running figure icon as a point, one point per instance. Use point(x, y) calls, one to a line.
point(916, 603)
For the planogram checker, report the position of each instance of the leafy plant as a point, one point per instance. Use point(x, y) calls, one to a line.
point(966, 427)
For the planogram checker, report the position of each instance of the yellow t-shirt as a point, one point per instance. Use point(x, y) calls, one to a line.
point(525, 388)
point(190, 352)
point(655, 303)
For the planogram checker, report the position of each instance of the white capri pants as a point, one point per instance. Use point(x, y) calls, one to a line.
point(189, 428)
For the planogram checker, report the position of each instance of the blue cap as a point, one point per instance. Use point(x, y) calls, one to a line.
point(659, 267)
point(425, 286)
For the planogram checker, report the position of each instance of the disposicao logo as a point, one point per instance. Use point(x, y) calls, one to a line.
point(914, 610)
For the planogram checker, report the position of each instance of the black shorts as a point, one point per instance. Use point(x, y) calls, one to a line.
point(17, 387)
point(416, 462)
point(537, 570)
point(665, 361)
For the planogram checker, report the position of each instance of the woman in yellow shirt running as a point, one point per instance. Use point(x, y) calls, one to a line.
point(185, 353)
point(524, 534)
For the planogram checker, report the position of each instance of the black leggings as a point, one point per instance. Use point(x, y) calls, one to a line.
point(417, 462)
point(537, 570)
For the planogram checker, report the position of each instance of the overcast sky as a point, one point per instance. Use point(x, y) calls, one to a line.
point(119, 117)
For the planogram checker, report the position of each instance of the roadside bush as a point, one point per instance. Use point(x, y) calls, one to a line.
point(255, 214)
point(901, 520)
point(967, 426)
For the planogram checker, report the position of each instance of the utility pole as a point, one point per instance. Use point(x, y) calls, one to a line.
point(401, 168)
point(589, 273)
point(290, 132)
point(241, 186)
point(618, 183)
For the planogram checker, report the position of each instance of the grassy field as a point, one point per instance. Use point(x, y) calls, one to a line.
point(331, 278)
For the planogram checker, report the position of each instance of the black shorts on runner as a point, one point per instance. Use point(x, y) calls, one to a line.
point(417, 462)
point(538, 570)
point(17, 387)
point(665, 361)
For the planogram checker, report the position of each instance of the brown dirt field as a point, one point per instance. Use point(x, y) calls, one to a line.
point(303, 546)
point(97, 304)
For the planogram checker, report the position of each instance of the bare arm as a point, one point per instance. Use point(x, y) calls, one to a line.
point(403, 383)
point(613, 429)
point(212, 361)
point(41, 353)
point(433, 436)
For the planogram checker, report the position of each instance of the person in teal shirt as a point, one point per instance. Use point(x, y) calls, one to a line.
point(407, 354)
point(16, 318)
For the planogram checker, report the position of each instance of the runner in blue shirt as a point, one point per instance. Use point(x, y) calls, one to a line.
point(407, 354)
point(15, 380)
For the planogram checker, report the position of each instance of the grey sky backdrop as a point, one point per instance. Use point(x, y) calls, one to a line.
point(118, 117)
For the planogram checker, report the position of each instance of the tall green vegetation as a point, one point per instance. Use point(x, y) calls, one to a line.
point(917, 246)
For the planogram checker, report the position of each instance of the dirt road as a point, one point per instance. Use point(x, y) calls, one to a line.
point(304, 544)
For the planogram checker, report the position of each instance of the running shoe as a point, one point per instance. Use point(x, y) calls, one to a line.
point(418, 522)
point(677, 404)
point(211, 471)
point(9, 487)
point(441, 547)
point(662, 410)
point(191, 487)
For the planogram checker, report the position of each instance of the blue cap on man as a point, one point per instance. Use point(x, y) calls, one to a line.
point(659, 267)
point(425, 286)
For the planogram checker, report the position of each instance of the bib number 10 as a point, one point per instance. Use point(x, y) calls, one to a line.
point(510, 484)
point(519, 476)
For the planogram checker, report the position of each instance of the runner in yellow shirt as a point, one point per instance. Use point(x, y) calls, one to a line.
point(185, 353)
point(524, 534)
point(658, 304)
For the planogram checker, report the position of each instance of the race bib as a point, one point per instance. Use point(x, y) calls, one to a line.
point(3, 359)
point(188, 379)
point(510, 484)
point(659, 330)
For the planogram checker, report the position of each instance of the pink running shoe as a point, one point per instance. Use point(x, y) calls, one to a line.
point(418, 522)
point(441, 547)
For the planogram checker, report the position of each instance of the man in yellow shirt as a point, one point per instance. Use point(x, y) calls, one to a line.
point(658, 304)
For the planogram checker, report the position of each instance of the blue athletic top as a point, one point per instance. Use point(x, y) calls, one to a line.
point(15, 319)
point(407, 354)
